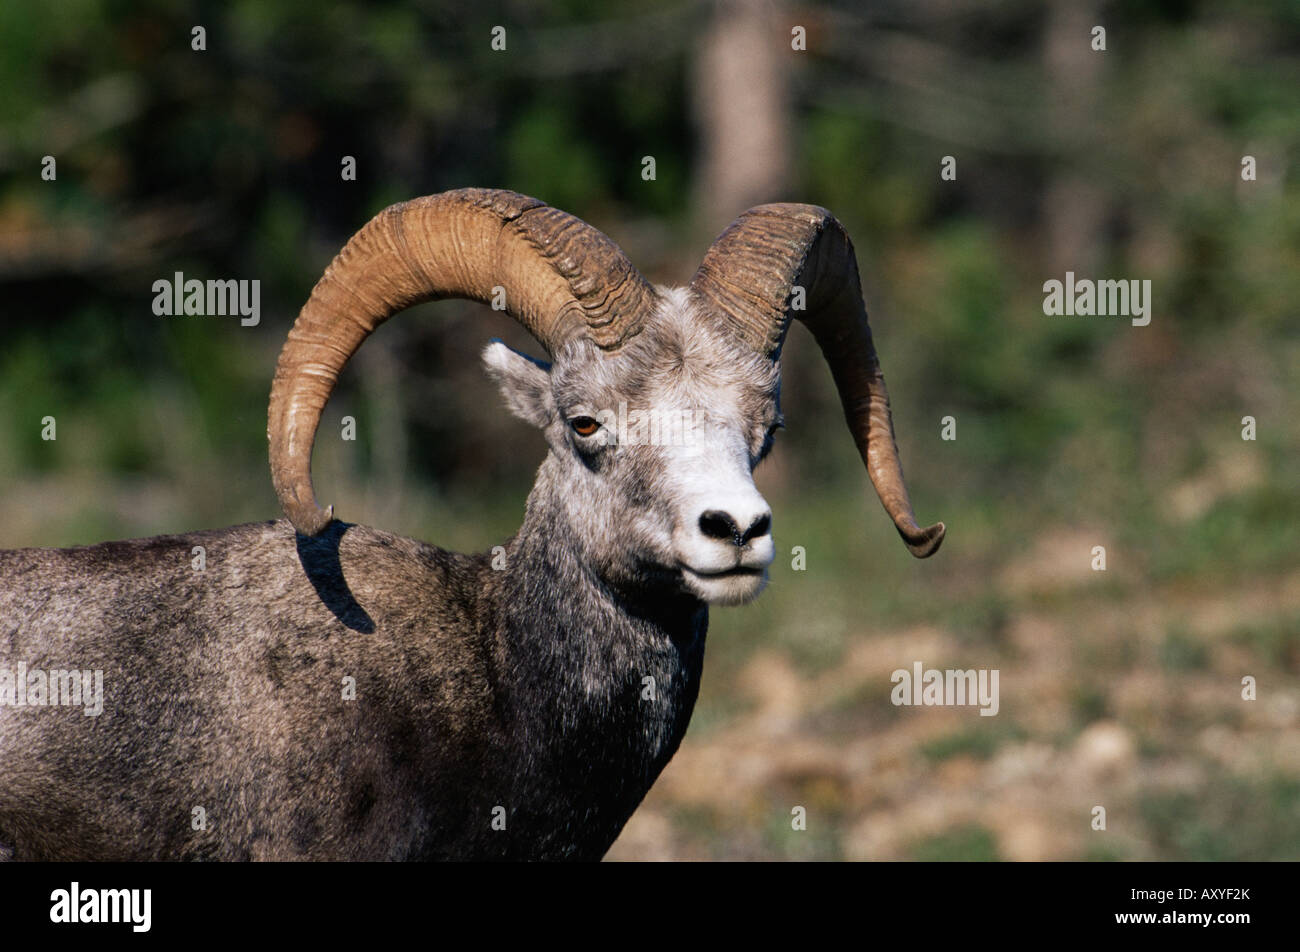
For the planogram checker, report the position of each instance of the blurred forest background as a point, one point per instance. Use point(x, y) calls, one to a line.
point(1119, 688)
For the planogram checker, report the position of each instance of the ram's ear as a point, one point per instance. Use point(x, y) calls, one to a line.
point(525, 382)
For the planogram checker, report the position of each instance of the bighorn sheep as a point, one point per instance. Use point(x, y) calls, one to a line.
point(499, 712)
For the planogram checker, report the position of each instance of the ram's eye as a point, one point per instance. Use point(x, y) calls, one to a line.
point(584, 425)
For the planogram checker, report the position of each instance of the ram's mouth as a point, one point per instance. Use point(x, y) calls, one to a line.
point(732, 586)
point(737, 571)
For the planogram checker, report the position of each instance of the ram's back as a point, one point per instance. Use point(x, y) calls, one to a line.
point(229, 728)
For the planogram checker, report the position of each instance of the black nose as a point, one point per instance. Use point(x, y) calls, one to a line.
point(720, 525)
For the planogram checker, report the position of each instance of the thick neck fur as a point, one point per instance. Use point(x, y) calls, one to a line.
point(586, 732)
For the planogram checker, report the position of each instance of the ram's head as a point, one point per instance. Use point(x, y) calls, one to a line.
point(656, 404)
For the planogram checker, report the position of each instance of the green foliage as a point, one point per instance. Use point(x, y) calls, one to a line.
point(1180, 651)
point(969, 843)
point(1234, 820)
point(981, 741)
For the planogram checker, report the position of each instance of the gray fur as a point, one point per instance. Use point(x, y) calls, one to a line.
point(520, 687)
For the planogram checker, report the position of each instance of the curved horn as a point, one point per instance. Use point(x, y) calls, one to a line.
point(746, 280)
point(562, 279)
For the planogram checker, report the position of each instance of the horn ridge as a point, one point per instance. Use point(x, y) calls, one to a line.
point(746, 280)
point(559, 275)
